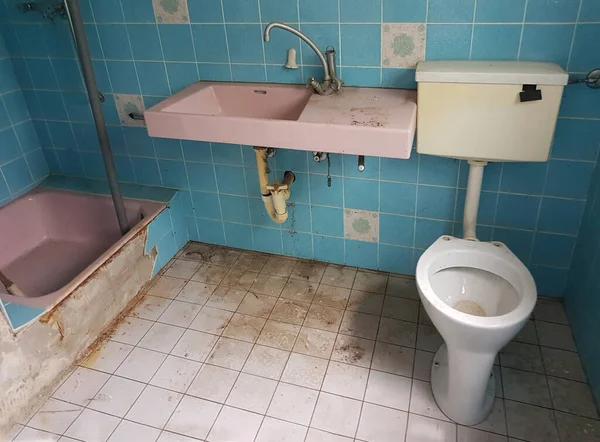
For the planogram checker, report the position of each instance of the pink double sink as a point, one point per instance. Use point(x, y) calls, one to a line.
point(361, 121)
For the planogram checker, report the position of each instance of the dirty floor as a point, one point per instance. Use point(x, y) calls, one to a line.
point(232, 345)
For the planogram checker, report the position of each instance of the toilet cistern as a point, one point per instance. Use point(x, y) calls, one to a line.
point(330, 83)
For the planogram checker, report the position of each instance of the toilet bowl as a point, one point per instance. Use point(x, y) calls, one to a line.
point(479, 296)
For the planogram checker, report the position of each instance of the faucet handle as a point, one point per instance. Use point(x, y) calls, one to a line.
point(310, 82)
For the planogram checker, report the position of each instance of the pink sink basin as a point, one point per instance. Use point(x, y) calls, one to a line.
point(362, 121)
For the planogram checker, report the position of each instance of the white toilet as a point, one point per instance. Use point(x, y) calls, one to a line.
point(479, 294)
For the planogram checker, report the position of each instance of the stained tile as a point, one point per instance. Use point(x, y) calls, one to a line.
point(314, 342)
point(176, 374)
point(279, 266)
point(422, 368)
point(402, 287)
point(572, 397)
point(339, 276)
point(353, 350)
point(467, 434)
point(167, 287)
point(81, 386)
point(311, 271)
point(394, 331)
point(428, 338)
point(299, 290)
point(324, 318)
point(422, 401)
point(292, 312)
point(150, 308)
point(305, 371)
point(131, 330)
point(213, 383)
point(244, 327)
point(266, 362)
point(358, 324)
point(528, 334)
point(252, 393)
point(194, 345)
point(224, 256)
point(196, 292)
point(257, 305)
point(225, 298)
point(266, 284)
point(211, 320)
point(555, 335)
point(210, 273)
point(182, 269)
point(393, 359)
point(530, 423)
point(577, 429)
point(526, 387)
point(550, 311)
point(229, 353)
point(400, 308)
point(279, 335)
point(563, 364)
point(107, 357)
point(239, 279)
point(373, 282)
point(161, 337)
point(365, 302)
point(522, 356)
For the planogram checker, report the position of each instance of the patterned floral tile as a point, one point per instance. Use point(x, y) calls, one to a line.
point(402, 44)
point(127, 104)
point(361, 225)
point(171, 11)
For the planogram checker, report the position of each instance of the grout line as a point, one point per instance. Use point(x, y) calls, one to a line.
point(574, 34)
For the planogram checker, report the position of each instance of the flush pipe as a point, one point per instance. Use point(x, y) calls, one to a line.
point(472, 198)
point(275, 195)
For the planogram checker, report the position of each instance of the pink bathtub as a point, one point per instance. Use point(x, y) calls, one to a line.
point(52, 240)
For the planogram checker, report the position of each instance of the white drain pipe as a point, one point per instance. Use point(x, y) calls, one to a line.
point(472, 199)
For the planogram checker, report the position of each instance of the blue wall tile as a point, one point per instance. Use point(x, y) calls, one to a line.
point(547, 43)
point(576, 139)
point(493, 11)
point(319, 10)
point(238, 235)
point(397, 230)
point(297, 244)
point(361, 254)
point(496, 42)
point(267, 239)
point(583, 56)
point(396, 259)
point(399, 198)
point(216, 51)
point(361, 45)
point(245, 43)
point(568, 179)
point(552, 10)
point(327, 221)
point(205, 11)
point(411, 11)
point(360, 11)
point(517, 211)
point(235, 209)
point(279, 10)
point(451, 11)
point(448, 42)
point(561, 215)
point(361, 194)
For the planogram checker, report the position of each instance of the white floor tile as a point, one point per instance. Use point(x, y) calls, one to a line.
point(332, 296)
point(33, 435)
point(289, 311)
point(244, 327)
point(55, 416)
point(425, 429)
point(314, 342)
point(422, 368)
point(229, 353)
point(293, 403)
point(422, 401)
point(239, 279)
point(225, 298)
point(572, 397)
point(167, 436)
point(92, 426)
point(304, 370)
point(161, 337)
point(336, 414)
point(176, 374)
point(131, 330)
point(393, 359)
point(400, 308)
point(180, 313)
point(267, 362)
point(252, 393)
point(339, 276)
point(315, 435)
point(577, 429)
point(196, 292)
point(117, 396)
point(211, 320)
point(141, 364)
point(466, 434)
point(528, 334)
point(496, 421)
point(268, 285)
point(402, 287)
point(373, 282)
point(278, 334)
point(365, 302)
point(131, 431)
point(167, 287)
point(279, 266)
point(389, 390)
point(526, 387)
point(225, 256)
point(182, 269)
point(394, 331)
point(257, 305)
point(193, 417)
point(555, 335)
point(299, 290)
point(381, 424)
point(14, 431)
point(67, 439)
point(324, 318)
point(81, 386)
point(154, 407)
point(309, 271)
point(274, 430)
point(235, 425)
point(213, 383)
point(108, 356)
point(530, 423)
point(550, 311)
point(563, 364)
point(522, 356)
point(210, 273)
point(346, 380)
point(194, 345)
point(251, 261)
point(428, 338)
point(150, 308)
point(353, 350)
point(359, 324)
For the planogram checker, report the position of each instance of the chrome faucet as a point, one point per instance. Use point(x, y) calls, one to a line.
point(331, 83)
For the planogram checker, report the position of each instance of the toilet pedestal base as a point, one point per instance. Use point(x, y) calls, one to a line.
point(463, 385)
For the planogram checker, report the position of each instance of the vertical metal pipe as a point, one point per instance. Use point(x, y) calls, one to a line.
point(87, 69)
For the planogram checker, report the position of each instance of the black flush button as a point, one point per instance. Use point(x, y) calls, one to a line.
point(530, 93)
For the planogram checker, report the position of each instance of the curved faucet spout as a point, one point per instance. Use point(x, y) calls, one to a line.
point(308, 41)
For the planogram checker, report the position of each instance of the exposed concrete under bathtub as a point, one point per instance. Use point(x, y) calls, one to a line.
point(33, 360)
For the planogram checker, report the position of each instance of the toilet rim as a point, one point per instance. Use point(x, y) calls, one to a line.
point(511, 269)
